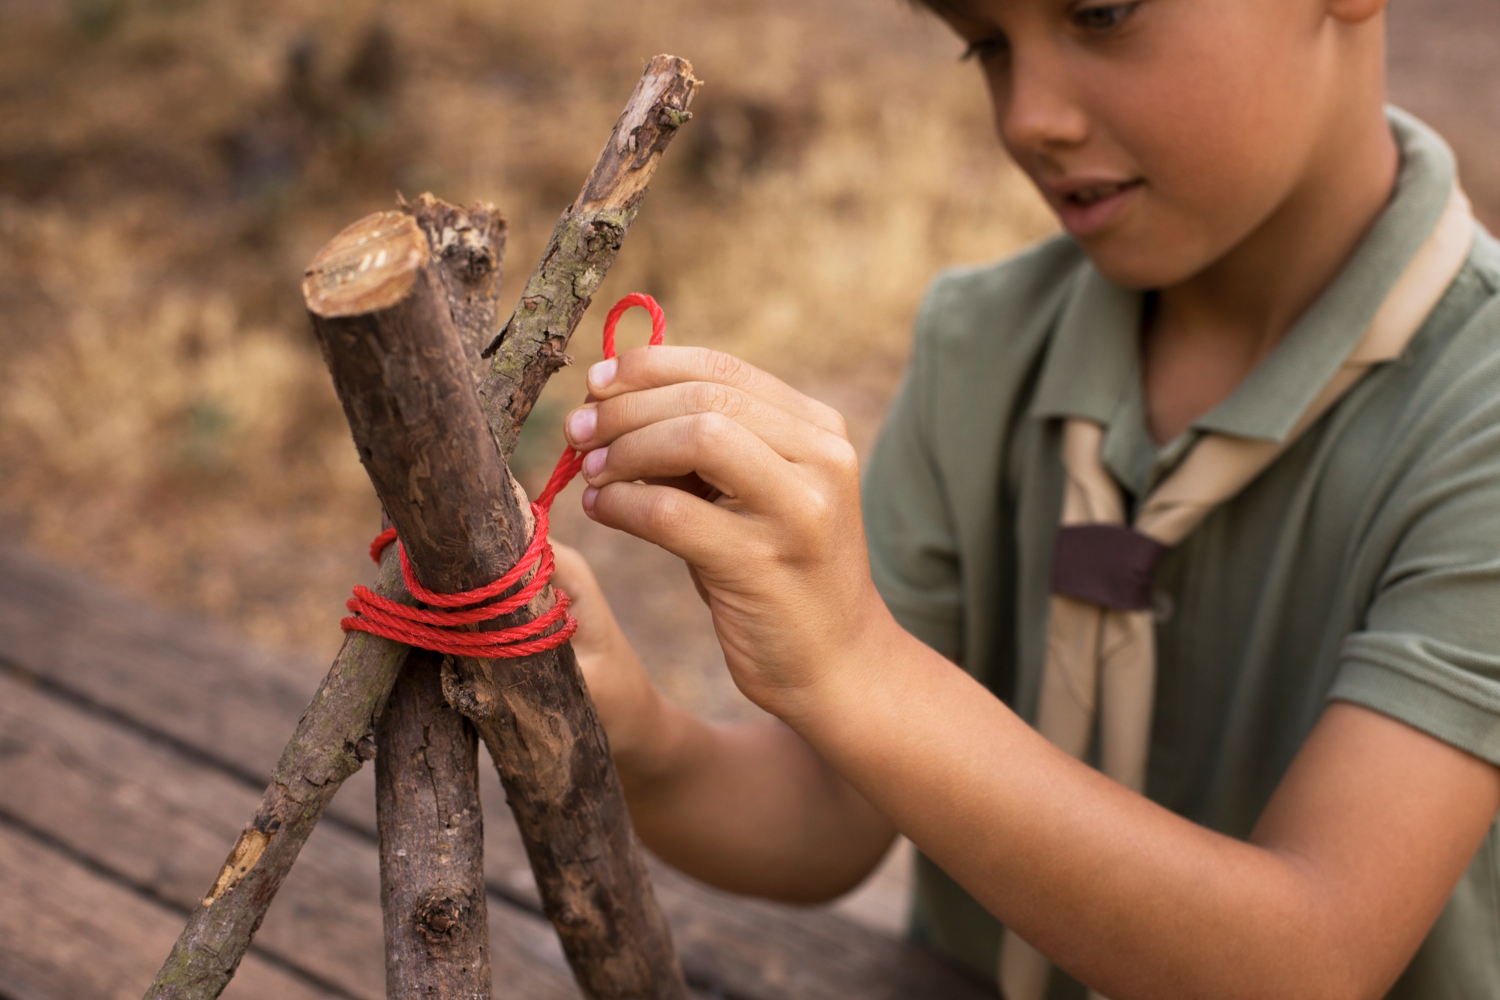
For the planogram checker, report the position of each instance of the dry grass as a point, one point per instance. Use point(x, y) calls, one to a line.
point(168, 166)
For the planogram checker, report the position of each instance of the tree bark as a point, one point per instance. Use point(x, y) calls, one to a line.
point(336, 733)
point(426, 766)
point(432, 895)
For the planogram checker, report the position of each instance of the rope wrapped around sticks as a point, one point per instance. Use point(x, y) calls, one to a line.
point(443, 626)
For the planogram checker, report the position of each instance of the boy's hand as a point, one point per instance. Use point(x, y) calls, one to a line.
point(776, 544)
point(629, 707)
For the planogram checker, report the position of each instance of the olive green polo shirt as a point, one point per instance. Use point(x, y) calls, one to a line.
point(1363, 565)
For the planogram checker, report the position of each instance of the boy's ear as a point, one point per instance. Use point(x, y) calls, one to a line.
point(1355, 11)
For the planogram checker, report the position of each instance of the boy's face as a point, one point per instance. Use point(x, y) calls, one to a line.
point(1162, 132)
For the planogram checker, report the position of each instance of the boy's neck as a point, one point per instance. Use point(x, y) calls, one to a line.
point(1206, 334)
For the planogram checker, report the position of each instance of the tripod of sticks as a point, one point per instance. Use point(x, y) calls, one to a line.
point(405, 305)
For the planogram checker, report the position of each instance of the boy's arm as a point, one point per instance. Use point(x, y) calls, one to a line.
point(747, 807)
point(1358, 850)
point(1350, 864)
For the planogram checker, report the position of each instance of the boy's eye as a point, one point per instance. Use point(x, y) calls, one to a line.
point(987, 50)
point(1104, 17)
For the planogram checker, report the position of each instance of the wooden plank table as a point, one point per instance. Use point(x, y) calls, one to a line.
point(134, 744)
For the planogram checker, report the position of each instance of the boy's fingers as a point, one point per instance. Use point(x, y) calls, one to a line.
point(722, 453)
point(652, 367)
point(694, 530)
point(598, 424)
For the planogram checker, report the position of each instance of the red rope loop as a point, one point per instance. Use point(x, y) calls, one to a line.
point(446, 630)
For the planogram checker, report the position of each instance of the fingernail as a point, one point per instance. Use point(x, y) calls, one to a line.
point(590, 494)
point(581, 424)
point(593, 462)
point(602, 373)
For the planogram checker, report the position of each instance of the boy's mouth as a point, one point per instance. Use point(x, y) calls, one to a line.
point(1098, 192)
point(1085, 209)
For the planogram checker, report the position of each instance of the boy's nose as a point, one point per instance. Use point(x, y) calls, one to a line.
point(1039, 111)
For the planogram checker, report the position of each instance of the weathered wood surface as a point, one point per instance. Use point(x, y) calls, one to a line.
point(431, 842)
point(467, 245)
point(67, 932)
point(427, 771)
point(407, 387)
point(178, 679)
point(156, 820)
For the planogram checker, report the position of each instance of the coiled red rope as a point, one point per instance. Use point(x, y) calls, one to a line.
point(441, 627)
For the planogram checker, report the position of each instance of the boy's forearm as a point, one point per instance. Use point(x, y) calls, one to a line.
point(752, 809)
point(1126, 895)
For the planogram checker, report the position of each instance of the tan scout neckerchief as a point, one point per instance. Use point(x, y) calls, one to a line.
point(1101, 656)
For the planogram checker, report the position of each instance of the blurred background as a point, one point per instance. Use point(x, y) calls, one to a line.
point(168, 167)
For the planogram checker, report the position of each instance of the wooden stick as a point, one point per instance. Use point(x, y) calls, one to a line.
point(381, 310)
point(432, 895)
point(427, 769)
point(411, 402)
point(585, 242)
point(535, 716)
point(336, 734)
point(333, 739)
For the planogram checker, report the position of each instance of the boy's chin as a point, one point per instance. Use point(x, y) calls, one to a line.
point(1142, 262)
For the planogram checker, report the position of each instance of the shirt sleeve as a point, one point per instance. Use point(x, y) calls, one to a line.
point(1429, 654)
point(912, 545)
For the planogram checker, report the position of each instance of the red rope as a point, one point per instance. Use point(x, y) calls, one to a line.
point(444, 631)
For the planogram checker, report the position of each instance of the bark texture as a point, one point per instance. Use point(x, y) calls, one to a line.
point(427, 768)
point(431, 843)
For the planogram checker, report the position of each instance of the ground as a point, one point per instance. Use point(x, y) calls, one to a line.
point(168, 167)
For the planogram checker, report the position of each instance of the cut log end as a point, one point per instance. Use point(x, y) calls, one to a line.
point(369, 266)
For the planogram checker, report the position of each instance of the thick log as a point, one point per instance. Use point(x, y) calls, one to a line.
point(336, 733)
point(427, 768)
point(408, 392)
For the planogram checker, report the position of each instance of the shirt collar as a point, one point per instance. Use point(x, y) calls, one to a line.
point(1092, 368)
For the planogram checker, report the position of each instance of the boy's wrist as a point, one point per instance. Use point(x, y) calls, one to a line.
point(655, 755)
point(836, 691)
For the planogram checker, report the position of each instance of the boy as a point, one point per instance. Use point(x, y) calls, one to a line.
point(1258, 383)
